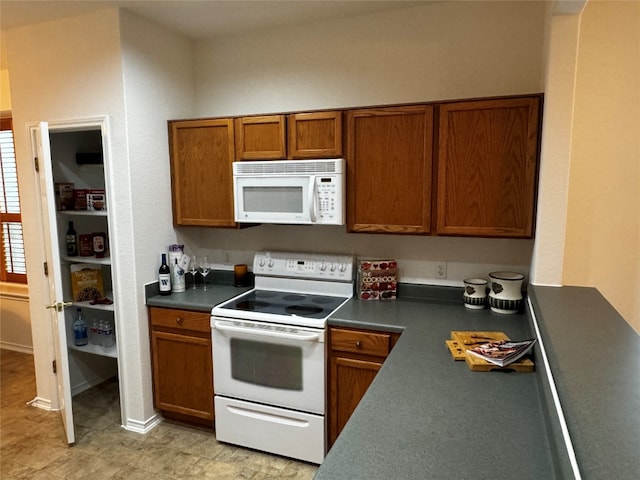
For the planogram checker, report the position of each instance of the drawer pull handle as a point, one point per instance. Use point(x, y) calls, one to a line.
point(179, 320)
point(358, 344)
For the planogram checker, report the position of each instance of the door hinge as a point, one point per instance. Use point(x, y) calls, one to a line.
point(35, 161)
point(46, 269)
point(53, 364)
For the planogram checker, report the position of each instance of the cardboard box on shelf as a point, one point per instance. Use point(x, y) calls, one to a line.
point(64, 196)
point(377, 279)
point(86, 282)
point(96, 200)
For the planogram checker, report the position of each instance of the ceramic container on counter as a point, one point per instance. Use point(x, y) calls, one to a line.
point(505, 295)
point(475, 293)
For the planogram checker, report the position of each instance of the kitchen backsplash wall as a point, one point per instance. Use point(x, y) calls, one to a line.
point(417, 255)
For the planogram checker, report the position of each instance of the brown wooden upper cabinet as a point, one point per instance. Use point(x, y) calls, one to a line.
point(389, 169)
point(487, 167)
point(261, 137)
point(201, 174)
point(315, 135)
point(294, 136)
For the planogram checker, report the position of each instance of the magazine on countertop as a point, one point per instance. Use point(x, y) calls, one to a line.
point(502, 352)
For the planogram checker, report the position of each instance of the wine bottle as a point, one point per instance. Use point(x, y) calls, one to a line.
point(164, 277)
point(72, 241)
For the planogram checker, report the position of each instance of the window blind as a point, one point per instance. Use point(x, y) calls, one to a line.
point(13, 266)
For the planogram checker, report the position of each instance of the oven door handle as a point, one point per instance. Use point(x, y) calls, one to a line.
point(304, 337)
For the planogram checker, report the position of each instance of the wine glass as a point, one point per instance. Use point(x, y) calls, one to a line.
point(193, 269)
point(204, 271)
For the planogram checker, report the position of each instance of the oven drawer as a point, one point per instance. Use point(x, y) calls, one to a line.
point(180, 319)
point(357, 341)
point(270, 429)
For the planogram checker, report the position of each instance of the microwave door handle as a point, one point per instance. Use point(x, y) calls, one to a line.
point(313, 207)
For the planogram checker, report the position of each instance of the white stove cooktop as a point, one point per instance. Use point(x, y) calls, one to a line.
point(293, 289)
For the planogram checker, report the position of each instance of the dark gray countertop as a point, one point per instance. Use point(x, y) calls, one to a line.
point(428, 417)
point(595, 360)
point(199, 300)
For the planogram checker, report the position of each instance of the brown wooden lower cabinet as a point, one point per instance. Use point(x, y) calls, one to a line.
point(182, 364)
point(355, 356)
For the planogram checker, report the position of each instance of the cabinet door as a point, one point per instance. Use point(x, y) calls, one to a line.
point(261, 138)
point(201, 172)
point(350, 379)
point(315, 135)
point(182, 364)
point(389, 162)
point(487, 167)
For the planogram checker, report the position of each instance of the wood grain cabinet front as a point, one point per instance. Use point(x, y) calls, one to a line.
point(202, 152)
point(355, 356)
point(296, 136)
point(261, 137)
point(315, 135)
point(487, 167)
point(389, 169)
point(182, 364)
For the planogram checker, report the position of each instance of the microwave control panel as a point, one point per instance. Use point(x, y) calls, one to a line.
point(329, 200)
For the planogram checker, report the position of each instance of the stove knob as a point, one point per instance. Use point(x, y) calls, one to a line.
point(261, 262)
point(271, 263)
point(343, 267)
point(333, 267)
point(323, 266)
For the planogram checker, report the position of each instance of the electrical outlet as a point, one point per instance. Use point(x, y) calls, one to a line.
point(441, 270)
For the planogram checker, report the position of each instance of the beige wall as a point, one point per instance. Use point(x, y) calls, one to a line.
point(15, 323)
point(602, 246)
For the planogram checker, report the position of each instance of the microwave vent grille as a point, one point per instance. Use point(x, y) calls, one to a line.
point(288, 167)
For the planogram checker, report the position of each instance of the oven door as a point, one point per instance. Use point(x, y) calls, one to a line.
point(270, 364)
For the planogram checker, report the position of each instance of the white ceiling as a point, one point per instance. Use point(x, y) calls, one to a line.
point(201, 19)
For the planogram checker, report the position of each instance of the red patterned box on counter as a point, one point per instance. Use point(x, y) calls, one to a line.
point(377, 279)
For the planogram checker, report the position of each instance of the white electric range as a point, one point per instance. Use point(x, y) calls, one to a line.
point(269, 353)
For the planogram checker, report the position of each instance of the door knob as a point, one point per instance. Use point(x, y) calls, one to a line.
point(60, 306)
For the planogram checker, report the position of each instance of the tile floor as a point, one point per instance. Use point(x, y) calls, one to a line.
point(33, 446)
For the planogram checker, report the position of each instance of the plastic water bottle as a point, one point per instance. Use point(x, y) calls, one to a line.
point(80, 337)
point(109, 335)
point(93, 331)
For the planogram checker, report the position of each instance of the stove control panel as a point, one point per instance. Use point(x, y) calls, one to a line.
point(304, 265)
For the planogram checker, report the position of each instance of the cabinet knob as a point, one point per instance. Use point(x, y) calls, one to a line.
point(179, 320)
point(358, 344)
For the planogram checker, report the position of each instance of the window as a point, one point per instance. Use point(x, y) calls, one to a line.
point(13, 266)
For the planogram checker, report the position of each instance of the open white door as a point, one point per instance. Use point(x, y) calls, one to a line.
point(57, 304)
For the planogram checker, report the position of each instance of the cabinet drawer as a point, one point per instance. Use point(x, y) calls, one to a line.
point(355, 341)
point(180, 319)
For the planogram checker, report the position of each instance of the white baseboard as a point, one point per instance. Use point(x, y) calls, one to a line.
point(142, 427)
point(41, 403)
point(17, 348)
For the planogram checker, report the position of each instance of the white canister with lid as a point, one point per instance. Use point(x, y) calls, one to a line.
point(505, 295)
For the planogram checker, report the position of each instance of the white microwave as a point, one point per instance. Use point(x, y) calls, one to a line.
point(304, 192)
